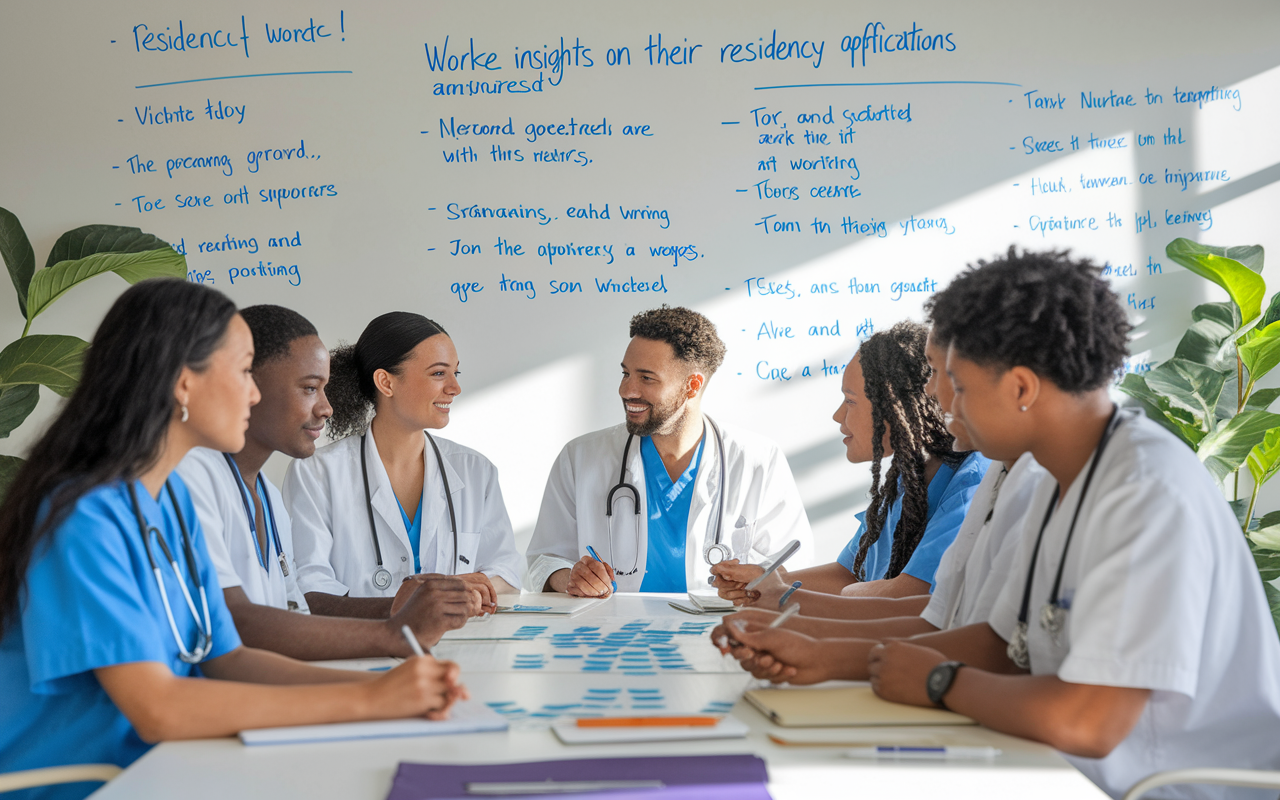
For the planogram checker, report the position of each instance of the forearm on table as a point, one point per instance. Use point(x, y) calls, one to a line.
point(902, 586)
point(163, 707)
point(977, 645)
point(875, 629)
point(500, 585)
point(331, 605)
point(310, 637)
point(826, 578)
point(838, 607)
point(251, 665)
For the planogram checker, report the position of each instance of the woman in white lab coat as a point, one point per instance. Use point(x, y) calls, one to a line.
point(390, 500)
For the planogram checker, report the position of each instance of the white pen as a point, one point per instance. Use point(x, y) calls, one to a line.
point(412, 640)
point(787, 552)
point(790, 612)
point(931, 753)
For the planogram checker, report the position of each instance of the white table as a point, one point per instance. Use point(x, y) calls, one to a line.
point(225, 769)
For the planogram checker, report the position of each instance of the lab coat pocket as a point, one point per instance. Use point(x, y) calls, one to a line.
point(468, 558)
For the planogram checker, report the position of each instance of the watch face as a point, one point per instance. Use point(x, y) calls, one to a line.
point(937, 679)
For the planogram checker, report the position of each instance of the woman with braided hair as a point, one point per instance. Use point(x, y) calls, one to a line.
point(917, 504)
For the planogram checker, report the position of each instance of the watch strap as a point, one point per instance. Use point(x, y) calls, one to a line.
point(940, 680)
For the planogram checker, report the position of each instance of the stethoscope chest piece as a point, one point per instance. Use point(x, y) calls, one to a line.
point(717, 552)
point(382, 579)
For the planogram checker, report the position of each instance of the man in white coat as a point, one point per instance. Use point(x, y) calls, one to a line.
point(651, 497)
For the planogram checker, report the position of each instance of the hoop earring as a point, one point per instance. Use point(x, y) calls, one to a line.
point(185, 415)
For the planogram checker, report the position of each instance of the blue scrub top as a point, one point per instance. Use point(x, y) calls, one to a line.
point(414, 529)
point(950, 493)
point(91, 601)
point(668, 504)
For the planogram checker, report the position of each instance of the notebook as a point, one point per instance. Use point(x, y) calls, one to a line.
point(705, 603)
point(465, 717)
point(548, 603)
point(846, 706)
point(568, 732)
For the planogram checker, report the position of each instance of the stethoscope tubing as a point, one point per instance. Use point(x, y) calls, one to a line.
point(248, 512)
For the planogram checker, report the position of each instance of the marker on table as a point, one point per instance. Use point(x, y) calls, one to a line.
point(412, 640)
point(772, 567)
point(782, 601)
point(784, 616)
point(947, 753)
point(591, 551)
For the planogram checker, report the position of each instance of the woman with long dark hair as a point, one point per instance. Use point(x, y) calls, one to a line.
point(111, 618)
point(916, 506)
point(390, 500)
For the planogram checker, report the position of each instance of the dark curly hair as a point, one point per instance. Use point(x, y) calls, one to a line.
point(274, 329)
point(385, 344)
point(894, 374)
point(692, 336)
point(1045, 311)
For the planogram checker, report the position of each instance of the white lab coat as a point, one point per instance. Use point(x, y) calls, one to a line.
point(233, 548)
point(1163, 595)
point(759, 491)
point(332, 542)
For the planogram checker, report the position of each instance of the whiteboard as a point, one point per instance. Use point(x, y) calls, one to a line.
point(803, 173)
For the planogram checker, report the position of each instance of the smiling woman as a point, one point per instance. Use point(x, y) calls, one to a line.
point(389, 501)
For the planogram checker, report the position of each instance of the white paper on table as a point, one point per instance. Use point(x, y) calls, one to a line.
point(467, 716)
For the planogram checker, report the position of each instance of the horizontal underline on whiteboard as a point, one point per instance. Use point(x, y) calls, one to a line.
point(887, 83)
point(259, 75)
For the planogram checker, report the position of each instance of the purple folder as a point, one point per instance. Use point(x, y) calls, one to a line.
point(726, 777)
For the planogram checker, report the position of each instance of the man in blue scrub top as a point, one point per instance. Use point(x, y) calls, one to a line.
point(650, 495)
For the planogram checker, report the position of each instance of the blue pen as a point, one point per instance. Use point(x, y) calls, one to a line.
point(782, 601)
point(592, 552)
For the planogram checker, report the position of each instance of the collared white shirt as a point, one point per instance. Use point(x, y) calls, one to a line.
point(760, 493)
point(974, 568)
point(219, 500)
point(334, 545)
point(1164, 595)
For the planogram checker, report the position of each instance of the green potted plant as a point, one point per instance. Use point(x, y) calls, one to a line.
point(1208, 394)
point(54, 360)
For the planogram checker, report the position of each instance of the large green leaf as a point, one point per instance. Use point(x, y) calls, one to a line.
point(1273, 600)
point(18, 256)
point(1268, 562)
point(51, 283)
point(1178, 421)
point(1272, 314)
point(1261, 352)
point(90, 239)
point(9, 466)
point(1210, 340)
point(1245, 286)
point(1193, 386)
point(16, 404)
point(1264, 458)
point(1266, 537)
point(48, 360)
point(1225, 449)
point(1261, 399)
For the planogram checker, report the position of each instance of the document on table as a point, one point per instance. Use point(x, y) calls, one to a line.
point(561, 605)
point(467, 716)
point(568, 732)
point(850, 706)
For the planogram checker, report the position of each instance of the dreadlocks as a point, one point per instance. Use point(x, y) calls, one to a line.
point(894, 373)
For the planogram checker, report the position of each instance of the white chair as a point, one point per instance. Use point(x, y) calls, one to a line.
point(1251, 778)
point(27, 779)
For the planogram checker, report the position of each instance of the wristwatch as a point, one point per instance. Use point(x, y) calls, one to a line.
point(939, 681)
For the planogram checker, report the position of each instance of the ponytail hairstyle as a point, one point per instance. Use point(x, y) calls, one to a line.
point(385, 344)
point(114, 425)
point(895, 373)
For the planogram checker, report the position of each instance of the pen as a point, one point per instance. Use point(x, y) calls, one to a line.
point(412, 640)
point(787, 552)
point(890, 751)
point(785, 615)
point(782, 601)
point(592, 552)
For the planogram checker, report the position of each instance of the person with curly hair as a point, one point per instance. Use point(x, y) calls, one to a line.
point(248, 529)
point(1132, 632)
point(640, 506)
point(388, 505)
point(917, 505)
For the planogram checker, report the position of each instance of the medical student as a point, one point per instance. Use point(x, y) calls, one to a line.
point(970, 575)
point(1133, 634)
point(391, 501)
point(113, 633)
point(916, 508)
point(661, 496)
point(247, 527)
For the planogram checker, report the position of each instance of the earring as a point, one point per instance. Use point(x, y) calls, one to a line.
point(185, 415)
point(1021, 408)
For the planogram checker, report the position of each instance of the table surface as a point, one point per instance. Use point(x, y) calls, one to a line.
point(362, 770)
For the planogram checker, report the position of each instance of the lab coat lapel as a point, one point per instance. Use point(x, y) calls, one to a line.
point(437, 507)
point(386, 507)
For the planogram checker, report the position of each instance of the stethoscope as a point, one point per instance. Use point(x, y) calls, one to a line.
point(204, 637)
point(381, 576)
point(1053, 615)
point(713, 551)
point(253, 525)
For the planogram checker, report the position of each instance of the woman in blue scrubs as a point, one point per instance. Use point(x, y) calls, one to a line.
point(113, 631)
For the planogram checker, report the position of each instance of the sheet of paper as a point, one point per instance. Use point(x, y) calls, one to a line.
point(465, 717)
point(568, 732)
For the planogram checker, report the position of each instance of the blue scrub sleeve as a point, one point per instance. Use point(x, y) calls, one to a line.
point(942, 528)
point(850, 551)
